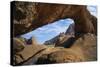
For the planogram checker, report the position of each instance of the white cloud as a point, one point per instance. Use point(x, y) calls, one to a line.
point(54, 28)
point(93, 10)
point(59, 29)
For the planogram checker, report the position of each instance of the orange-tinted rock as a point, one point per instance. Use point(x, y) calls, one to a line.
point(29, 16)
point(83, 49)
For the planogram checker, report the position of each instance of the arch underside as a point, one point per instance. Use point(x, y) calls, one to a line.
point(28, 16)
point(26, 19)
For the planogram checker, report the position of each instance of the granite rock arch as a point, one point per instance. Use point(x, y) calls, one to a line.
point(28, 16)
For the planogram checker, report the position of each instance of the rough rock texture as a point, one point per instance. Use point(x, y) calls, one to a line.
point(62, 37)
point(67, 37)
point(29, 16)
point(88, 44)
point(83, 49)
point(23, 52)
point(60, 56)
point(71, 30)
point(53, 40)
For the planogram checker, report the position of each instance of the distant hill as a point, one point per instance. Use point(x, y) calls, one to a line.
point(53, 40)
point(70, 30)
point(62, 36)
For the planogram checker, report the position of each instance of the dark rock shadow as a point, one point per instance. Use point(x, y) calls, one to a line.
point(69, 42)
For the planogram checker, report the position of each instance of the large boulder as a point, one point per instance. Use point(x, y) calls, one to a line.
point(83, 49)
point(88, 44)
point(22, 51)
point(61, 56)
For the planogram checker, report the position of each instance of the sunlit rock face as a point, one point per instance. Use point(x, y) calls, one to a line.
point(29, 16)
point(81, 47)
point(87, 44)
point(22, 50)
point(62, 37)
point(71, 29)
point(60, 40)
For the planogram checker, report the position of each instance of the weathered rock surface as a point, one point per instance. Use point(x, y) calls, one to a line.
point(71, 30)
point(88, 44)
point(60, 56)
point(29, 16)
point(62, 37)
point(23, 52)
point(53, 40)
point(83, 49)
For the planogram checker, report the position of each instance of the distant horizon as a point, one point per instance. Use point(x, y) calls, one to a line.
point(49, 31)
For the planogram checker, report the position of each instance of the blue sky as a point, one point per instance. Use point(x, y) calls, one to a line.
point(49, 31)
point(93, 10)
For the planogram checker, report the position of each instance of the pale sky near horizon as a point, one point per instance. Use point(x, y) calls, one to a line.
point(49, 31)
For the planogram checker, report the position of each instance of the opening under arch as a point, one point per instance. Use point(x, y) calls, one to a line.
point(49, 31)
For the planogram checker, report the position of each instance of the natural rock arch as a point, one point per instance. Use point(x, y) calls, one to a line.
point(29, 16)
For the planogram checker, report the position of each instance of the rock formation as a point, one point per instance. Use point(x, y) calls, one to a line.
point(32, 40)
point(29, 16)
point(83, 49)
point(71, 30)
point(53, 40)
point(68, 37)
point(88, 44)
point(61, 56)
point(62, 37)
point(23, 51)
